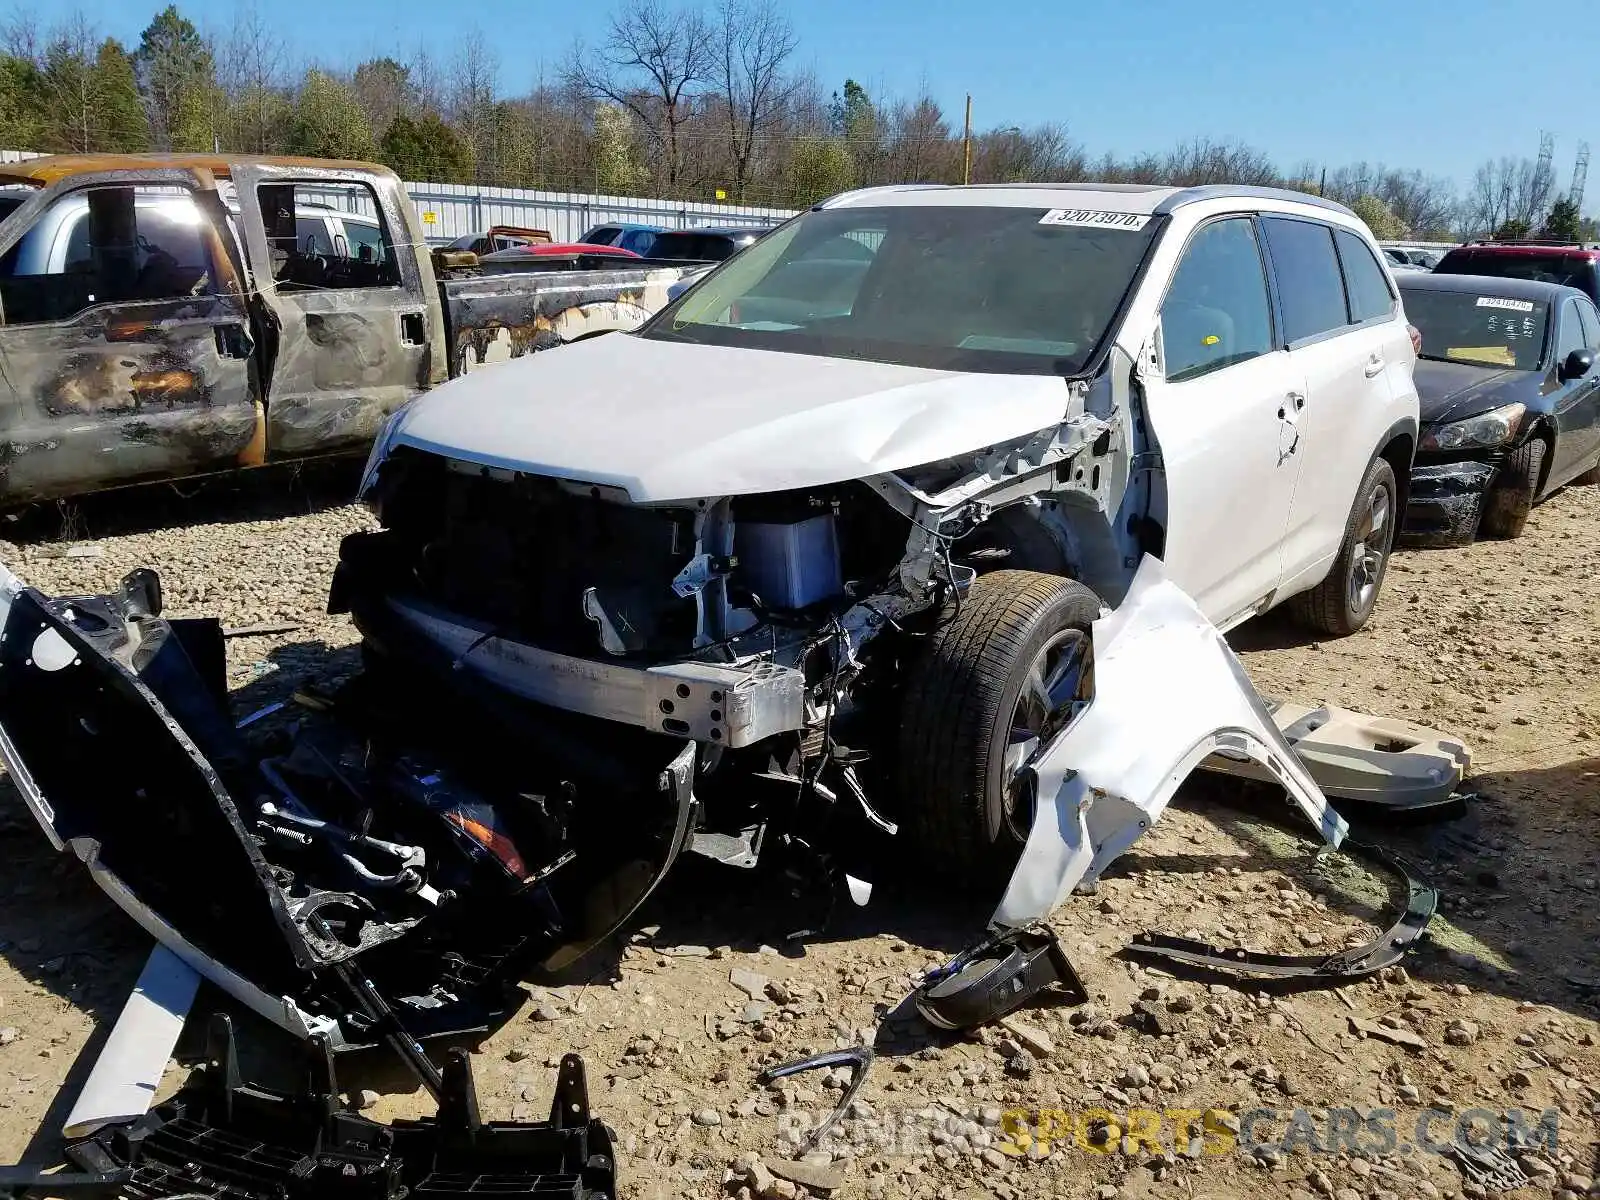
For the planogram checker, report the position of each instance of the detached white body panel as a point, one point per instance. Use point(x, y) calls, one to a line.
point(1168, 692)
point(125, 1077)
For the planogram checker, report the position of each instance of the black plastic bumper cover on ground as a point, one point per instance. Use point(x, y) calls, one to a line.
point(1446, 503)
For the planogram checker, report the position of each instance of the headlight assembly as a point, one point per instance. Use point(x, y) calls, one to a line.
point(1484, 431)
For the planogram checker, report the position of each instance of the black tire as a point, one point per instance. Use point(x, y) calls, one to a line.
point(1336, 606)
point(961, 696)
point(1510, 500)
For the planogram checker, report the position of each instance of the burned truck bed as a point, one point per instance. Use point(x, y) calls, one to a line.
point(399, 861)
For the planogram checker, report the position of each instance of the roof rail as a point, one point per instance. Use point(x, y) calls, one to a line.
point(1553, 243)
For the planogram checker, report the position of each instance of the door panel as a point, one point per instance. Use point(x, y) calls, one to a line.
point(1231, 462)
point(1224, 415)
point(130, 362)
point(1572, 402)
point(1581, 419)
point(1347, 344)
point(352, 343)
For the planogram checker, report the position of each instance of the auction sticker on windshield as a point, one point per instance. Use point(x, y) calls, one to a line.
point(1502, 302)
point(1094, 219)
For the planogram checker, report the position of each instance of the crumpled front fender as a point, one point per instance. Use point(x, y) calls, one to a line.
point(1169, 692)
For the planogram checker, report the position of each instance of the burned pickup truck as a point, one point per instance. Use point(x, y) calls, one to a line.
point(164, 317)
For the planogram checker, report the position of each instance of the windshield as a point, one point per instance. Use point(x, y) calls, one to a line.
point(693, 247)
point(965, 288)
point(1483, 331)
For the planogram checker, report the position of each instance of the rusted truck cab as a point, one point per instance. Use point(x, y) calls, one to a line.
point(168, 316)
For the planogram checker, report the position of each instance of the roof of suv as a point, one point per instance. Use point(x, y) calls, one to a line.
point(1485, 285)
point(1150, 199)
point(1528, 249)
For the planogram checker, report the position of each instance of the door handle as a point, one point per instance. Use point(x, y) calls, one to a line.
point(1374, 365)
point(1296, 401)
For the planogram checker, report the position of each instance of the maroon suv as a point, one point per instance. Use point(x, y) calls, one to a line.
point(1569, 264)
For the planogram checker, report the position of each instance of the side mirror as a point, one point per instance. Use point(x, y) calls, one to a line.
point(1578, 364)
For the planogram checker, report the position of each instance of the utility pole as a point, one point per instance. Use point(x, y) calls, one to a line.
point(966, 144)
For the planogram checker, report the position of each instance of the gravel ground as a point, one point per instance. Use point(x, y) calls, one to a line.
point(1494, 642)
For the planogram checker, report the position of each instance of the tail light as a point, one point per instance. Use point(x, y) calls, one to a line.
point(1416, 338)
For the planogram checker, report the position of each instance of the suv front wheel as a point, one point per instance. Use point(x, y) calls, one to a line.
point(1342, 603)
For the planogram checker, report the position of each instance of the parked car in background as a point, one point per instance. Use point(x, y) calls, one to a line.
point(1399, 260)
point(170, 318)
point(1510, 402)
point(626, 234)
point(712, 244)
point(1569, 264)
point(499, 237)
point(549, 256)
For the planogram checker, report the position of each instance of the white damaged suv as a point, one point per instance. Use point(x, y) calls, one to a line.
point(841, 515)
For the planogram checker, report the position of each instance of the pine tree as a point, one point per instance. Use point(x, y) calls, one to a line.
point(120, 115)
point(425, 148)
point(172, 61)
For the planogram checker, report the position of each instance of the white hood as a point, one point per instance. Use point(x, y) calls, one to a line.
point(669, 421)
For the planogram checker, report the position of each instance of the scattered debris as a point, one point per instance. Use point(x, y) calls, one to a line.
point(996, 976)
point(828, 1178)
point(1394, 1035)
point(267, 629)
point(858, 1059)
point(751, 983)
point(219, 1135)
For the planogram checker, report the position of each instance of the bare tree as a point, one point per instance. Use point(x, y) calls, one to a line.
point(652, 61)
point(755, 42)
point(1507, 191)
point(251, 69)
point(474, 82)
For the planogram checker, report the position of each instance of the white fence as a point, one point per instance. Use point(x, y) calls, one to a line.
point(451, 210)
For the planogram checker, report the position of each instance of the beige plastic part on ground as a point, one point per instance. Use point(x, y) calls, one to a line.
point(1352, 756)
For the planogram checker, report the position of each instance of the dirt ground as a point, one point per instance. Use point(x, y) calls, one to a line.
point(1498, 1012)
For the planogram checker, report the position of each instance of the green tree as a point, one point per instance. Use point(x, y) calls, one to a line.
point(384, 90)
point(1384, 224)
point(126, 129)
point(425, 148)
point(852, 114)
point(1563, 224)
point(173, 64)
point(89, 96)
point(21, 118)
point(1512, 230)
point(613, 154)
point(818, 168)
point(328, 121)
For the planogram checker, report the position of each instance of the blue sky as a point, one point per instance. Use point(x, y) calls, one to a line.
point(1420, 83)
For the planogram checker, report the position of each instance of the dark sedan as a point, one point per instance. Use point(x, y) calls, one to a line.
point(1510, 402)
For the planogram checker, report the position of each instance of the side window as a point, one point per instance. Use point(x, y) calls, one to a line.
point(304, 256)
point(1591, 324)
point(1307, 272)
point(105, 245)
point(1216, 313)
point(1570, 333)
point(1370, 298)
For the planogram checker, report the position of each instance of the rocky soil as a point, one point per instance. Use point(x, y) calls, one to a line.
point(1495, 643)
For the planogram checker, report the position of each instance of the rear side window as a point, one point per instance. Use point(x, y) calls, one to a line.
point(1307, 272)
point(1370, 298)
point(1591, 325)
